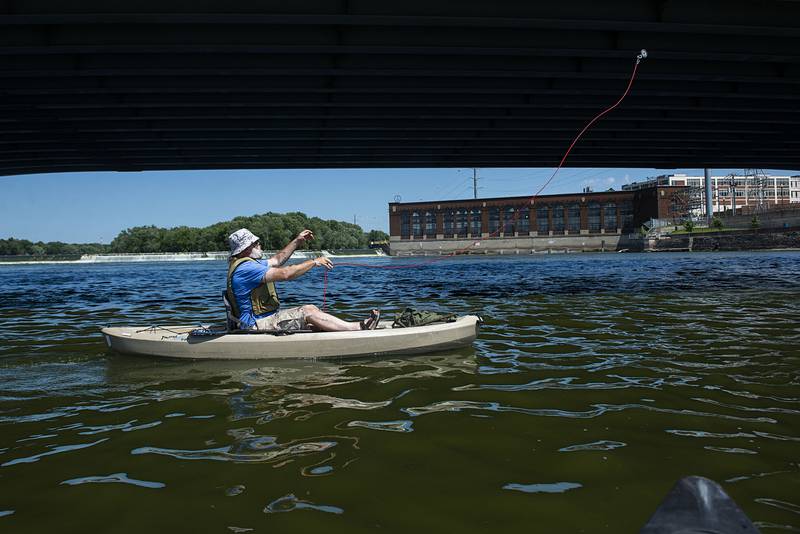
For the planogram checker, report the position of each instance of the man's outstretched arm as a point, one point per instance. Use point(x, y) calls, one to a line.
point(290, 272)
point(286, 252)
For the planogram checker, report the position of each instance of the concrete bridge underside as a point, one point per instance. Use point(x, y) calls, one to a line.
point(168, 84)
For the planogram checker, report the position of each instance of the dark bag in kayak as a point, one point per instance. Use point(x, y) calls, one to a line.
point(412, 317)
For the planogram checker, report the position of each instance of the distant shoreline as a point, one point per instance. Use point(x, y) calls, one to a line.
point(94, 259)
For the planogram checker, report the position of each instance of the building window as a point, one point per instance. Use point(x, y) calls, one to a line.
point(594, 217)
point(610, 216)
point(416, 225)
point(574, 218)
point(626, 214)
point(558, 219)
point(542, 219)
point(430, 224)
point(475, 222)
point(494, 221)
point(461, 223)
point(405, 225)
point(524, 221)
point(448, 223)
point(508, 221)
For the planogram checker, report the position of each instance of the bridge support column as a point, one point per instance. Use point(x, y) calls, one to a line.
point(709, 204)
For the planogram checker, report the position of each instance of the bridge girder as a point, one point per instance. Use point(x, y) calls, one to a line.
point(152, 85)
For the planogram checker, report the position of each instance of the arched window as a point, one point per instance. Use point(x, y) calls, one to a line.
point(558, 219)
point(416, 225)
point(626, 214)
point(508, 221)
point(594, 217)
point(524, 221)
point(494, 221)
point(448, 223)
point(475, 222)
point(542, 219)
point(430, 224)
point(405, 225)
point(574, 218)
point(461, 223)
point(610, 216)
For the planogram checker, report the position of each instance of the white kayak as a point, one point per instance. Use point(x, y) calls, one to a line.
point(178, 342)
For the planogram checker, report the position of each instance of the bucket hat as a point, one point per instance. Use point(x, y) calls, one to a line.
point(240, 240)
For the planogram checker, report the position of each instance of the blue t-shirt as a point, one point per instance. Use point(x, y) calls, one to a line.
point(246, 278)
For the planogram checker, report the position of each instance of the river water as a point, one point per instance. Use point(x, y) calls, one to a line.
point(596, 382)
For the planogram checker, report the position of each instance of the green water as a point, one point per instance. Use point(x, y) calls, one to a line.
point(597, 382)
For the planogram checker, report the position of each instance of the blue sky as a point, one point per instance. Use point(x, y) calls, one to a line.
point(95, 207)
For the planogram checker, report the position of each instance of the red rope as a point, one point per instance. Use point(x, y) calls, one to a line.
point(324, 289)
point(600, 115)
point(589, 125)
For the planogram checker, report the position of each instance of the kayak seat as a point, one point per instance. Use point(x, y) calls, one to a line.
point(231, 321)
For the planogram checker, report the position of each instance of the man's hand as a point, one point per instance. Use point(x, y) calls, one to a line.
point(305, 235)
point(324, 262)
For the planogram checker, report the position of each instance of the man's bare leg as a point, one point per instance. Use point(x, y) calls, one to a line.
point(327, 322)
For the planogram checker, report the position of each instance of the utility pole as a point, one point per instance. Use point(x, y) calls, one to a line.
point(760, 185)
point(474, 183)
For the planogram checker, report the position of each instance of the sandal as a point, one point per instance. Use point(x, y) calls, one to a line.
point(371, 323)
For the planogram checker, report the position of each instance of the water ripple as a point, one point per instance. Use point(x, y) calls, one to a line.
point(304, 400)
point(788, 506)
point(603, 445)
point(121, 478)
point(390, 426)
point(556, 487)
point(54, 450)
point(599, 409)
point(730, 450)
point(290, 503)
point(262, 453)
point(584, 361)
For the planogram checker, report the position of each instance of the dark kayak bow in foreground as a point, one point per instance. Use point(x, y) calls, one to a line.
point(698, 505)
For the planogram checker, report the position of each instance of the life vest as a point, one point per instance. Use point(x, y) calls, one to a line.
point(263, 298)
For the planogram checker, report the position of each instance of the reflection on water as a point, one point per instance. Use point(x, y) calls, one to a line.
point(596, 382)
point(558, 487)
point(117, 478)
point(289, 503)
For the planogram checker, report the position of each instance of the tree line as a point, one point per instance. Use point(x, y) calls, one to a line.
point(274, 229)
point(23, 247)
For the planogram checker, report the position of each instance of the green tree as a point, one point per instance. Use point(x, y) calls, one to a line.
point(716, 222)
point(688, 225)
point(377, 235)
point(755, 223)
point(15, 247)
point(274, 229)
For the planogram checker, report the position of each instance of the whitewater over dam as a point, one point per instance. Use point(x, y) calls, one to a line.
point(194, 256)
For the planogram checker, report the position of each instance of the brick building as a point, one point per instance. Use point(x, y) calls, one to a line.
point(584, 221)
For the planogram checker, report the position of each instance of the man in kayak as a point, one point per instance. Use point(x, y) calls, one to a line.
point(251, 289)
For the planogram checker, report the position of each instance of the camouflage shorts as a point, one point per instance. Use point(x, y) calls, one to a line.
point(288, 319)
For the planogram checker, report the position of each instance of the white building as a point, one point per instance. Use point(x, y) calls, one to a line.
point(749, 191)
